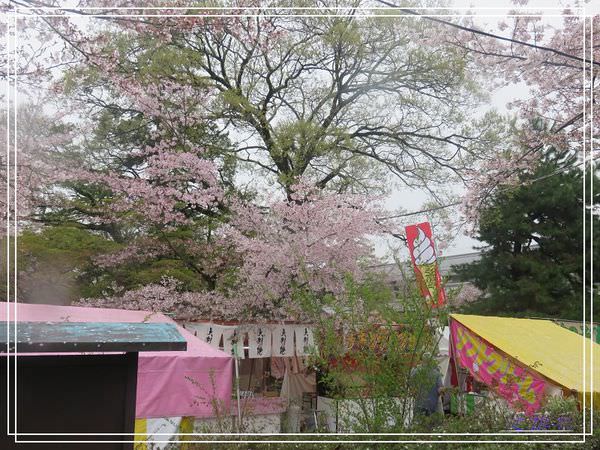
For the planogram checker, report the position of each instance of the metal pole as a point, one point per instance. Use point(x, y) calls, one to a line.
point(237, 386)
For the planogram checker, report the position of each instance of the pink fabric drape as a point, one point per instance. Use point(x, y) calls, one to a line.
point(512, 381)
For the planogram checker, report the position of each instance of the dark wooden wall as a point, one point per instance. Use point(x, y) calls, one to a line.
point(72, 394)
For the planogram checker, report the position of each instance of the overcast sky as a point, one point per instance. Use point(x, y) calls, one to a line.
point(487, 15)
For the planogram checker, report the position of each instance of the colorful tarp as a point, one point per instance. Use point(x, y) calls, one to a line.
point(512, 381)
point(154, 434)
point(538, 347)
point(170, 384)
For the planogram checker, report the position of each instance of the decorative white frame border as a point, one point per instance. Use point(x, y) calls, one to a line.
point(15, 15)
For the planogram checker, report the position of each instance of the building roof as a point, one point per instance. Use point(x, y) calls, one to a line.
point(446, 263)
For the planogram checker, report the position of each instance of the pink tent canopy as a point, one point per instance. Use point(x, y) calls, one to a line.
point(170, 384)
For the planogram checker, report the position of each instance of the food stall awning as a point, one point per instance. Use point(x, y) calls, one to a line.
point(545, 347)
point(170, 383)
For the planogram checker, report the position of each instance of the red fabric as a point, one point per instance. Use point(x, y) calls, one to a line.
point(453, 374)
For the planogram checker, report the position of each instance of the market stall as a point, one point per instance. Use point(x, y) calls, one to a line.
point(525, 360)
point(271, 373)
point(173, 387)
point(75, 377)
point(347, 411)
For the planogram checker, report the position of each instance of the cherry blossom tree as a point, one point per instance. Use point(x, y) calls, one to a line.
point(153, 168)
point(312, 242)
point(152, 176)
point(176, 114)
point(26, 163)
point(343, 100)
point(557, 64)
point(554, 60)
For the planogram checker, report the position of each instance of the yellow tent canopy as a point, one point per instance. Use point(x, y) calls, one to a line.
point(551, 350)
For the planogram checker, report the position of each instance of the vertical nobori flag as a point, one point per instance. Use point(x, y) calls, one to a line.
point(422, 253)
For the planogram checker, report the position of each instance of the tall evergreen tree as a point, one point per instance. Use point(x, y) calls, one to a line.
point(534, 263)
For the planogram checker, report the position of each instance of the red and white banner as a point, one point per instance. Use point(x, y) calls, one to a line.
point(422, 254)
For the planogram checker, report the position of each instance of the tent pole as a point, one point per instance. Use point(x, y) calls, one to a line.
point(237, 388)
point(451, 351)
point(452, 354)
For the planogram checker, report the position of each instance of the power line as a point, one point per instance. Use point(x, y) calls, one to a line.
point(449, 205)
point(404, 10)
point(436, 208)
point(485, 33)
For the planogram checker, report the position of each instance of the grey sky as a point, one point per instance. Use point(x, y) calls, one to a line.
point(487, 13)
